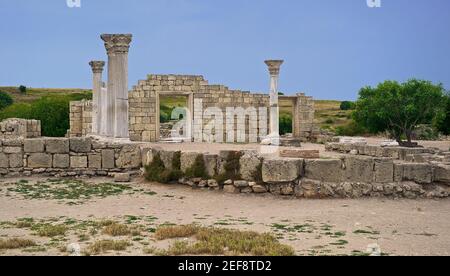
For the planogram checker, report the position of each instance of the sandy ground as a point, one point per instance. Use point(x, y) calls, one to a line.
point(312, 227)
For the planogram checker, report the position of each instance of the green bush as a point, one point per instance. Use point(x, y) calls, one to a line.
point(52, 111)
point(5, 100)
point(16, 110)
point(285, 124)
point(351, 129)
point(232, 168)
point(157, 172)
point(442, 122)
point(23, 89)
point(347, 105)
point(198, 169)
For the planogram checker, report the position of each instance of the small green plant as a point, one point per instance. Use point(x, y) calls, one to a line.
point(198, 169)
point(154, 169)
point(231, 167)
point(23, 89)
point(5, 100)
point(157, 172)
point(347, 105)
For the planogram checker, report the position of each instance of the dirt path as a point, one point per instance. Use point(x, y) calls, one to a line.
point(312, 227)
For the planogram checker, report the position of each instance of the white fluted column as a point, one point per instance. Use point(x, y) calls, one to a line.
point(274, 70)
point(97, 70)
point(117, 47)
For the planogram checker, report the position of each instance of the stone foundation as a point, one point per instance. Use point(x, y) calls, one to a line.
point(350, 176)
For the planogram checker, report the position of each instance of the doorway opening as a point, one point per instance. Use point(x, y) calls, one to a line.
point(174, 117)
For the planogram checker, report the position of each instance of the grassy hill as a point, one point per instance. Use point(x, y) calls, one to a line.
point(34, 94)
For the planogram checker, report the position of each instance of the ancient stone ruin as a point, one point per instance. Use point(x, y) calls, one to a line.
point(215, 112)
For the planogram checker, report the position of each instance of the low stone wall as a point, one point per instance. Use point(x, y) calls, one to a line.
point(63, 157)
point(400, 153)
point(350, 176)
point(19, 128)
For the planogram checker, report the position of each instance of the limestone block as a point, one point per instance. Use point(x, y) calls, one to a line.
point(307, 154)
point(167, 158)
point(39, 160)
point(57, 145)
point(327, 170)
point(249, 164)
point(122, 177)
point(241, 183)
point(359, 169)
point(308, 188)
point(129, 157)
point(231, 189)
point(95, 161)
point(16, 160)
point(80, 145)
point(210, 164)
point(281, 170)
point(419, 173)
point(34, 145)
point(108, 159)
point(384, 170)
point(61, 161)
point(259, 189)
point(12, 149)
point(4, 160)
point(442, 174)
point(78, 162)
point(188, 160)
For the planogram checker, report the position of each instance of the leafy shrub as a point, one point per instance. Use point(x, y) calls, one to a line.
point(347, 105)
point(198, 169)
point(285, 124)
point(5, 100)
point(351, 129)
point(16, 110)
point(442, 122)
point(231, 167)
point(23, 89)
point(157, 172)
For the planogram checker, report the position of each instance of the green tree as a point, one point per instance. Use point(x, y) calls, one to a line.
point(399, 107)
point(23, 89)
point(442, 122)
point(5, 100)
point(346, 105)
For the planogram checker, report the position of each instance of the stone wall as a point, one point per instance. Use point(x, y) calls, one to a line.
point(350, 176)
point(80, 118)
point(19, 128)
point(66, 157)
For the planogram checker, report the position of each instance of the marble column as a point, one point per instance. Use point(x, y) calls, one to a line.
point(117, 47)
point(97, 70)
point(274, 70)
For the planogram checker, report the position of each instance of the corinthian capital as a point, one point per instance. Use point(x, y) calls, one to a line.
point(117, 43)
point(97, 66)
point(274, 66)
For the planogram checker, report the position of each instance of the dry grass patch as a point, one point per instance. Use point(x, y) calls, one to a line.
point(107, 245)
point(116, 230)
point(49, 230)
point(16, 243)
point(214, 241)
point(177, 231)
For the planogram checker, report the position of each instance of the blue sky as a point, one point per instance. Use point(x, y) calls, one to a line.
point(331, 48)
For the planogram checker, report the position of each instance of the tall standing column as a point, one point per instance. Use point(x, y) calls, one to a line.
point(117, 47)
point(274, 70)
point(97, 70)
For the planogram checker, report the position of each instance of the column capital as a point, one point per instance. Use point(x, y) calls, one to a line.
point(97, 66)
point(117, 43)
point(274, 66)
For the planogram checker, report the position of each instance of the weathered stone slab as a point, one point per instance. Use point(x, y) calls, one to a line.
point(442, 174)
point(167, 158)
point(384, 171)
point(306, 154)
point(231, 189)
point(57, 145)
point(281, 170)
point(12, 149)
point(129, 157)
point(211, 164)
point(16, 160)
point(419, 173)
point(250, 163)
point(359, 169)
point(78, 162)
point(327, 170)
point(108, 160)
point(188, 160)
point(61, 161)
point(95, 161)
point(80, 145)
point(34, 145)
point(4, 160)
point(122, 177)
point(39, 160)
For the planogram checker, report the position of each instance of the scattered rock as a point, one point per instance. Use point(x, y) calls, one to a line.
point(122, 177)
